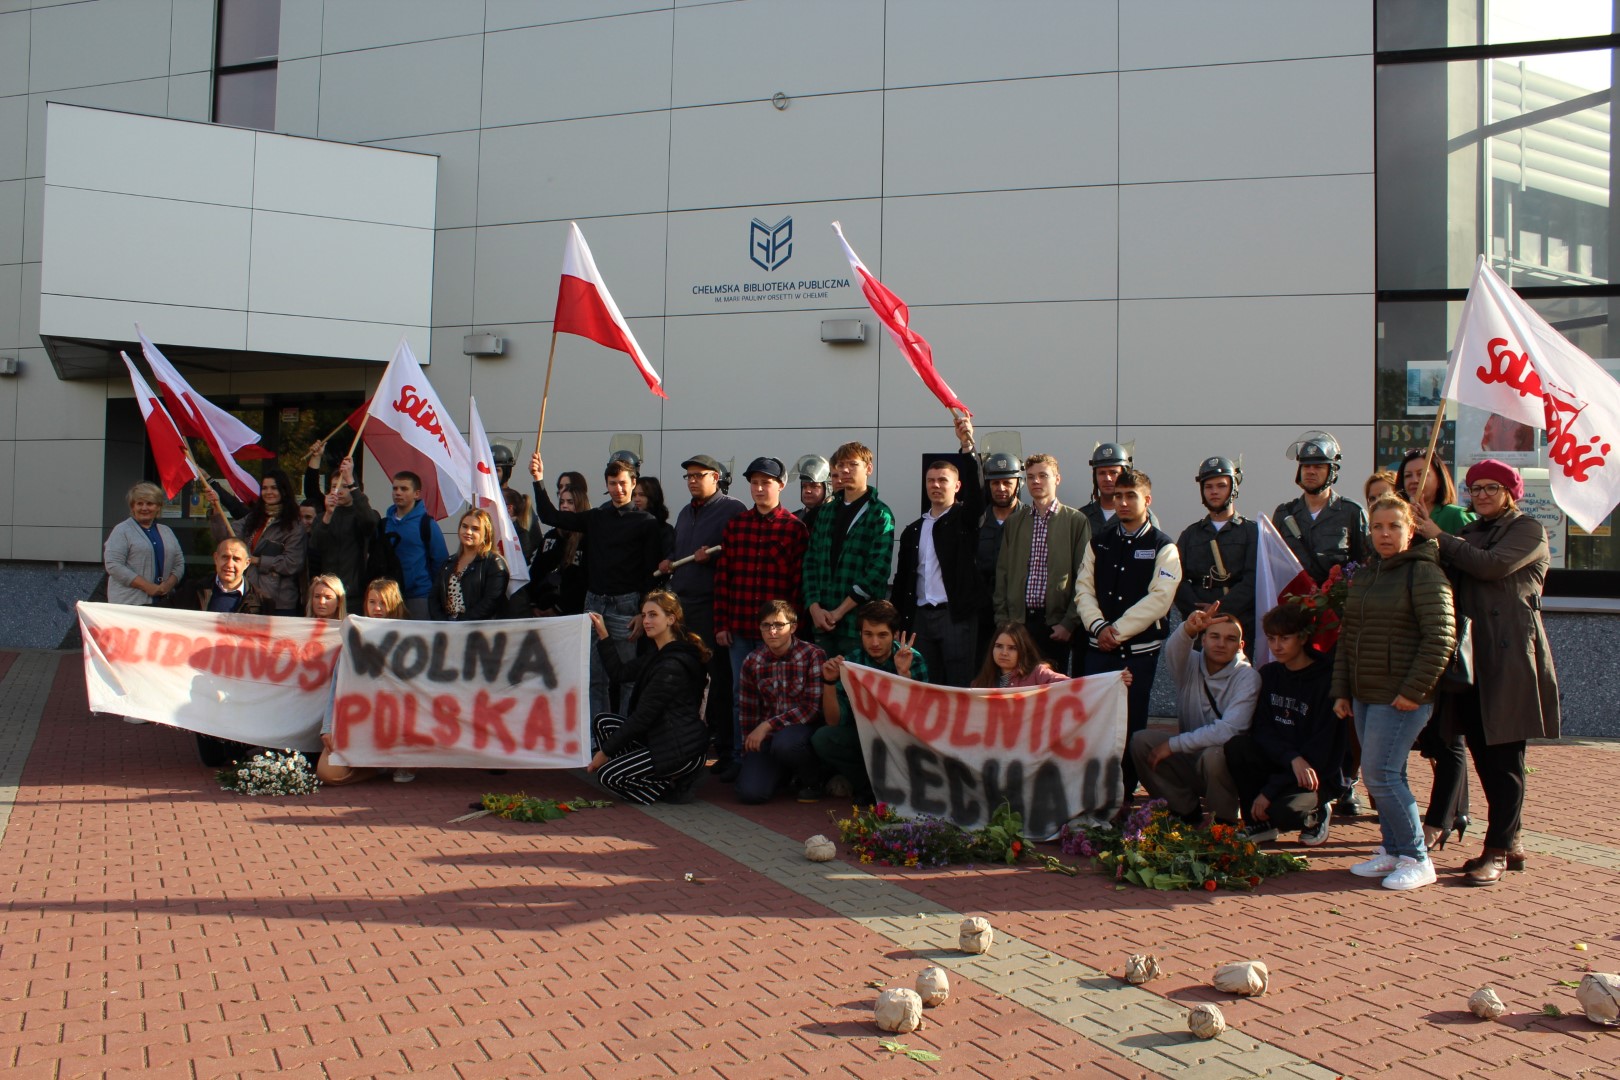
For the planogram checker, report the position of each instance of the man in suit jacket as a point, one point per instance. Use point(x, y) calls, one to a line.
point(1042, 546)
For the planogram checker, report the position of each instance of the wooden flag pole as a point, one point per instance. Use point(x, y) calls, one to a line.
point(204, 478)
point(361, 430)
point(545, 393)
point(1428, 459)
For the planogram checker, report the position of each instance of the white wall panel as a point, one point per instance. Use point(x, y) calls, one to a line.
point(298, 97)
point(817, 148)
point(1046, 364)
point(12, 203)
point(453, 276)
point(574, 168)
point(28, 312)
point(8, 467)
point(149, 97)
point(33, 218)
point(367, 24)
point(751, 50)
point(311, 266)
point(1210, 123)
point(518, 267)
point(191, 36)
point(1176, 33)
point(103, 41)
point(11, 306)
point(303, 336)
point(153, 250)
point(946, 41)
point(512, 14)
point(14, 53)
point(1023, 134)
point(710, 250)
point(58, 544)
point(593, 388)
point(591, 68)
point(1003, 246)
point(50, 409)
point(114, 320)
point(458, 173)
point(13, 138)
point(191, 97)
point(767, 369)
point(307, 176)
point(403, 90)
point(1247, 237)
point(1246, 360)
point(301, 28)
point(155, 156)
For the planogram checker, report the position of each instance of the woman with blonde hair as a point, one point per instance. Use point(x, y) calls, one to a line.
point(655, 750)
point(1396, 637)
point(326, 598)
point(383, 600)
point(1382, 482)
point(472, 585)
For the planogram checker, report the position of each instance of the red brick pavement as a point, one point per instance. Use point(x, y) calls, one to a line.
point(155, 925)
point(1364, 980)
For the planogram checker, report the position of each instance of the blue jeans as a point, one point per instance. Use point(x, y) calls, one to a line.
point(1387, 736)
point(618, 612)
point(739, 649)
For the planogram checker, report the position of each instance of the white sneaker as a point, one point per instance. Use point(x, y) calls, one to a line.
point(401, 776)
point(1410, 873)
point(1377, 866)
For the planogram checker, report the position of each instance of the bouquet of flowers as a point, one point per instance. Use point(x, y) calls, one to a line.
point(521, 807)
point(1326, 602)
point(1157, 850)
point(287, 772)
point(876, 834)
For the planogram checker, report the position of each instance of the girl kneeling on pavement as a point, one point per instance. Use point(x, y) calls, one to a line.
point(1396, 638)
point(655, 750)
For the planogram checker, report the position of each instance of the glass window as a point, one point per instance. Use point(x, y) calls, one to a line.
point(1438, 24)
point(249, 32)
point(246, 97)
point(1509, 157)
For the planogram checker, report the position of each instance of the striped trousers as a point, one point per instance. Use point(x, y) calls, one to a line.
point(629, 773)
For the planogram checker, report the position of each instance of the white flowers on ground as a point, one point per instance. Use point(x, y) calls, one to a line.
point(286, 772)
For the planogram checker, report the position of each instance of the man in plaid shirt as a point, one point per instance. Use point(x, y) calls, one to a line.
point(779, 698)
point(851, 552)
point(761, 558)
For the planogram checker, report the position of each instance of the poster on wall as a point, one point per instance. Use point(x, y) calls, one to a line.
point(1538, 503)
point(1425, 379)
point(1396, 437)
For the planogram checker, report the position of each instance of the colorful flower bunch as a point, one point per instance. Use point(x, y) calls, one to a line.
point(878, 835)
point(1157, 850)
point(1326, 603)
point(521, 807)
point(270, 773)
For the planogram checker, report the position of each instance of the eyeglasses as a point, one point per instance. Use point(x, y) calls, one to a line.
point(1485, 490)
point(775, 627)
point(698, 475)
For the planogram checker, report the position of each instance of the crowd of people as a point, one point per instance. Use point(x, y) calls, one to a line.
point(722, 635)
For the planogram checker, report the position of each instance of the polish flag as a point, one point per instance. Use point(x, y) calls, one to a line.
point(1278, 576)
point(586, 308)
point(200, 418)
point(168, 445)
point(896, 318)
point(410, 431)
point(486, 486)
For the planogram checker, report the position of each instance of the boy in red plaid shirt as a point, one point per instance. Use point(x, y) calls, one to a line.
point(761, 558)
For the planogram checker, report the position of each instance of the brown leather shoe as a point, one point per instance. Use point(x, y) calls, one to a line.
point(1492, 865)
point(1513, 859)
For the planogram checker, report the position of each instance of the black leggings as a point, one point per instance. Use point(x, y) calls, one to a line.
point(1442, 744)
point(1500, 769)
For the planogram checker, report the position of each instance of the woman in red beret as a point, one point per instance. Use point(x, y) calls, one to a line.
point(1498, 564)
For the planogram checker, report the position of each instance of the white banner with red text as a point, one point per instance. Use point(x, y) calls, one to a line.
point(257, 679)
point(510, 694)
point(1052, 752)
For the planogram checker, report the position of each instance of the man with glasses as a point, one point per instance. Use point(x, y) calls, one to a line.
point(698, 528)
point(779, 701)
point(345, 525)
point(761, 559)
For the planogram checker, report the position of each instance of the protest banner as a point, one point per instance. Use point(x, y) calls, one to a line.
point(258, 679)
point(511, 694)
point(1051, 752)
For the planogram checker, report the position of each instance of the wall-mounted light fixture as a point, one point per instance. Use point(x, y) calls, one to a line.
point(842, 331)
point(8, 365)
point(483, 345)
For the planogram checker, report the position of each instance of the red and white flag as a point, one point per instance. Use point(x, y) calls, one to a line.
point(1278, 575)
point(486, 486)
point(586, 308)
point(200, 418)
point(410, 431)
point(1508, 360)
point(896, 318)
point(168, 445)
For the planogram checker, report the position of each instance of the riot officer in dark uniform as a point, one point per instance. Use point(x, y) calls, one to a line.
point(1322, 528)
point(1004, 477)
point(504, 460)
point(815, 487)
point(1108, 460)
point(1218, 552)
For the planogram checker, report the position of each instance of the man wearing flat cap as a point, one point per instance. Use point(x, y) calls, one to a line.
point(698, 528)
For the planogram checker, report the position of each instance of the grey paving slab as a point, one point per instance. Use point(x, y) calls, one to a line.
point(23, 693)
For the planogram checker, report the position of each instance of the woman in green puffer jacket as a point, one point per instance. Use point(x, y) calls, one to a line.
point(1396, 638)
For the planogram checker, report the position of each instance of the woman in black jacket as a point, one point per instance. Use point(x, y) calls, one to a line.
point(472, 585)
point(655, 750)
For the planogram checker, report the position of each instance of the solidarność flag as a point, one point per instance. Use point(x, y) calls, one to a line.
point(487, 496)
point(411, 432)
point(1508, 360)
point(896, 318)
point(200, 418)
point(586, 308)
point(168, 445)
